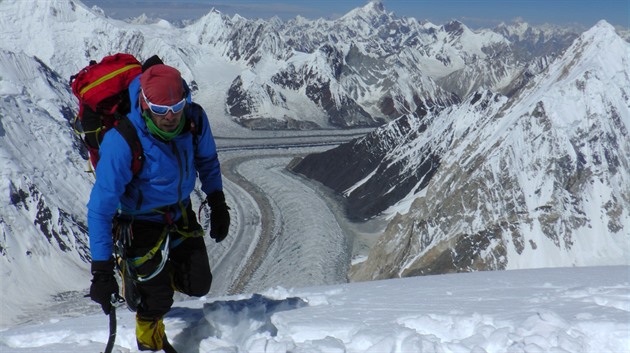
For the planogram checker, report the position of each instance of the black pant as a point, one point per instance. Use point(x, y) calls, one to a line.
point(187, 269)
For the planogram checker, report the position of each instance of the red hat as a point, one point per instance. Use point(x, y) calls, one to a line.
point(162, 84)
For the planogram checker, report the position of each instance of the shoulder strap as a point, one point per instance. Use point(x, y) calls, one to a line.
point(195, 121)
point(130, 134)
point(195, 115)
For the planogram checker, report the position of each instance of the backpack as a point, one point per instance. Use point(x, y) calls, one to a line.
point(102, 91)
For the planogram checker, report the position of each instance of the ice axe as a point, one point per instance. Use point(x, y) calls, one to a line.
point(115, 299)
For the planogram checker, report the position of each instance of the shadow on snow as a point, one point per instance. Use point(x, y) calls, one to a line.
point(231, 320)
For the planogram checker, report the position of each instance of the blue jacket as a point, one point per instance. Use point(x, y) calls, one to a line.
point(167, 177)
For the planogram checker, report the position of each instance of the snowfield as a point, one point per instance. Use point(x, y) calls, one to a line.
point(585, 309)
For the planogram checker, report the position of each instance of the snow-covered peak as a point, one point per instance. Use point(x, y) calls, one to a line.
point(471, 42)
point(143, 19)
point(211, 27)
point(16, 17)
point(602, 30)
point(598, 54)
point(97, 10)
point(517, 27)
point(519, 30)
point(140, 20)
point(455, 28)
point(372, 10)
point(22, 22)
point(211, 16)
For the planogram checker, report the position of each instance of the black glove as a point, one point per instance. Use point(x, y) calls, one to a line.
point(219, 216)
point(103, 284)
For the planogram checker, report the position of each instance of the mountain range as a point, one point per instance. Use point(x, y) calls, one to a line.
point(363, 69)
point(489, 148)
point(497, 181)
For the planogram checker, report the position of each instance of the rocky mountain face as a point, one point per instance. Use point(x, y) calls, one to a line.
point(536, 179)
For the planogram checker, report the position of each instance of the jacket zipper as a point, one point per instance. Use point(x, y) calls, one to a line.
point(140, 197)
point(181, 171)
point(186, 163)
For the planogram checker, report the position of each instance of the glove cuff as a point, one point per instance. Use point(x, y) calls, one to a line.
point(216, 200)
point(103, 267)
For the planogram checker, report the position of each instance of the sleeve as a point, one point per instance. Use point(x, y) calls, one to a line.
point(113, 173)
point(206, 158)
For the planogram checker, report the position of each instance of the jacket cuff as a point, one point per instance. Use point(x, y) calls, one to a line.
point(103, 267)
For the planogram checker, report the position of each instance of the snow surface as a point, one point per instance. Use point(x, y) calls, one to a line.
point(583, 309)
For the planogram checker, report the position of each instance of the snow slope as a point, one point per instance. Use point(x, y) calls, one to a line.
point(575, 310)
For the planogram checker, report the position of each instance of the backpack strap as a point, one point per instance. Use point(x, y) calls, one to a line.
point(195, 121)
point(130, 134)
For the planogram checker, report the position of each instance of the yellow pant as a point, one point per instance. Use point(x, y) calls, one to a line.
point(149, 334)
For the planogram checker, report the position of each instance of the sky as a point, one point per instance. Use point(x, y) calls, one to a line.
point(473, 13)
point(576, 309)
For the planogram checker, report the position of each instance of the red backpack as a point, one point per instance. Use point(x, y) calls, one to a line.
point(102, 90)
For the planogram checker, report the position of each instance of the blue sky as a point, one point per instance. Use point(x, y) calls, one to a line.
point(473, 13)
